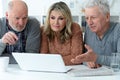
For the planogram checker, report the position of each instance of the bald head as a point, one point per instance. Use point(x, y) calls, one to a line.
point(17, 14)
point(17, 4)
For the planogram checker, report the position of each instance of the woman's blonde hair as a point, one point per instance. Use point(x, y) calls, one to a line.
point(66, 33)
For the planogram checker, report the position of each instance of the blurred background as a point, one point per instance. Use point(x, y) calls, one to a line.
point(38, 8)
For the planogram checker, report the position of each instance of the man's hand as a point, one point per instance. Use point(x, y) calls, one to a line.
point(93, 65)
point(9, 38)
point(89, 56)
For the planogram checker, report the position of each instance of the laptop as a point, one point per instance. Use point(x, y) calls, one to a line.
point(41, 62)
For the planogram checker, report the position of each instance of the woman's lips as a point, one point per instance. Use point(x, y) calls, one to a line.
point(57, 26)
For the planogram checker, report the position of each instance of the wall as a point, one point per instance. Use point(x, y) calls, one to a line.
point(39, 8)
point(1, 8)
point(1, 14)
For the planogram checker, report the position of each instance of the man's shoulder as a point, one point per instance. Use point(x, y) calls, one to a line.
point(116, 25)
point(32, 19)
point(3, 19)
point(3, 22)
point(33, 24)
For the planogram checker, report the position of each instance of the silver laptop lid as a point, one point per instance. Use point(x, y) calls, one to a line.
point(40, 62)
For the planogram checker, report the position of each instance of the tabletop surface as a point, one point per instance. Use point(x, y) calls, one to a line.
point(15, 73)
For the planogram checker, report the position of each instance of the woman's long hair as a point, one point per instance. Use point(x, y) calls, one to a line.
point(66, 33)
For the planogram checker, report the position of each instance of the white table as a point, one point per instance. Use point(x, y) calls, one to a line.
point(15, 73)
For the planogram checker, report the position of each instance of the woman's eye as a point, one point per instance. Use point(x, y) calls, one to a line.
point(61, 18)
point(52, 17)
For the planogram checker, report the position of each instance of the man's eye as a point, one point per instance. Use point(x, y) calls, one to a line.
point(25, 18)
point(93, 17)
point(86, 18)
point(16, 18)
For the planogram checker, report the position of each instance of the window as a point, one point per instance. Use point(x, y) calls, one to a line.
point(75, 19)
point(1, 12)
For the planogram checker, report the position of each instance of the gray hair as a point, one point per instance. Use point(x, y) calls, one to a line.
point(102, 4)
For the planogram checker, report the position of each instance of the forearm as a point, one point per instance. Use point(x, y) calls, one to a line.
point(67, 60)
point(103, 60)
point(2, 47)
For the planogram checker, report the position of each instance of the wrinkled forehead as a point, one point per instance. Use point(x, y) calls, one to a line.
point(93, 10)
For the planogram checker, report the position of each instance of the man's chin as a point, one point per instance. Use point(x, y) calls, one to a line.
point(93, 29)
point(18, 30)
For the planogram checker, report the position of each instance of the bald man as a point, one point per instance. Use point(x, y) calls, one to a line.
point(18, 32)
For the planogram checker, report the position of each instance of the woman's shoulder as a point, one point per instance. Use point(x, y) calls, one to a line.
point(42, 29)
point(75, 27)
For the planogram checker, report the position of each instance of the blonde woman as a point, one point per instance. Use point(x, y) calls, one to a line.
point(60, 35)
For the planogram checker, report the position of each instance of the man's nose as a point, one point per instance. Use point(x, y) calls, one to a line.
point(89, 21)
point(21, 22)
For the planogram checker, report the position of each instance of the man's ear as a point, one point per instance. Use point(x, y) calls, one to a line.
point(6, 14)
point(108, 17)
